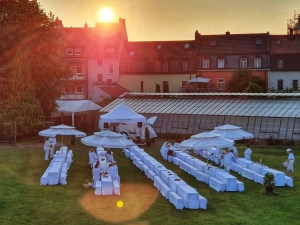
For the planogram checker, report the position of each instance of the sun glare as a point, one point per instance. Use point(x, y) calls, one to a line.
point(106, 14)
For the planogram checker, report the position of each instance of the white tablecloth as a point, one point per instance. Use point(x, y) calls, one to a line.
point(53, 175)
point(258, 168)
point(175, 182)
point(236, 168)
point(248, 173)
point(190, 196)
point(243, 162)
point(229, 180)
point(166, 174)
point(212, 170)
point(182, 155)
point(200, 165)
point(279, 176)
point(191, 160)
point(158, 168)
point(107, 185)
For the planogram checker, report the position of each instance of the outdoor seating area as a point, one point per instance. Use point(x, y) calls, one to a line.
point(172, 187)
point(57, 171)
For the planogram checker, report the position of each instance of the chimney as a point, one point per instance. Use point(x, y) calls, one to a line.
point(227, 33)
point(197, 35)
point(85, 25)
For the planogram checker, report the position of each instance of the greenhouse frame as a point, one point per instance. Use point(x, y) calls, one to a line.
point(266, 115)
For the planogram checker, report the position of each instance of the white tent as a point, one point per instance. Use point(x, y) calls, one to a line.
point(123, 116)
point(73, 106)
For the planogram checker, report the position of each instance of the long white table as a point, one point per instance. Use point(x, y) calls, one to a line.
point(212, 170)
point(190, 196)
point(166, 174)
point(228, 179)
point(191, 160)
point(175, 182)
point(106, 185)
point(53, 175)
point(243, 162)
point(258, 168)
point(182, 155)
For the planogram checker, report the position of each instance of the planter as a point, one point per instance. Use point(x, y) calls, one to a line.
point(269, 190)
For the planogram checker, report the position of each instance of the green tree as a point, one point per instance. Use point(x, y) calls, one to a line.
point(242, 78)
point(254, 88)
point(31, 73)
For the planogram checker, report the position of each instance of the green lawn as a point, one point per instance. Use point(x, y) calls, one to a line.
point(24, 201)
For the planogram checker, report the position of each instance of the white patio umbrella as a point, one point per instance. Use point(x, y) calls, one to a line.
point(232, 132)
point(107, 139)
point(61, 130)
point(206, 140)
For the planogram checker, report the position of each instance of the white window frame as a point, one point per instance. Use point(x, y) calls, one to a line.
point(78, 51)
point(205, 63)
point(110, 69)
point(69, 51)
point(221, 63)
point(78, 92)
point(185, 66)
point(165, 66)
point(243, 63)
point(131, 53)
point(151, 66)
point(78, 67)
point(221, 83)
point(280, 63)
point(128, 67)
point(257, 62)
point(186, 46)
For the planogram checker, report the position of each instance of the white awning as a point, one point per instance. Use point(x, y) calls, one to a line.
point(199, 80)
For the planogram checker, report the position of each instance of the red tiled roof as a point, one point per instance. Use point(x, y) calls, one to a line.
point(285, 44)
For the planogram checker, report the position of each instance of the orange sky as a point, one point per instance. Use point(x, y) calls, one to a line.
point(148, 20)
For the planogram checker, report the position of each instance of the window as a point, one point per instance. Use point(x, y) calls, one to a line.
point(151, 66)
point(69, 51)
point(165, 86)
point(279, 85)
point(131, 53)
point(295, 85)
point(78, 51)
point(78, 69)
point(278, 42)
point(187, 46)
point(213, 43)
point(221, 63)
point(159, 46)
point(184, 66)
point(110, 50)
point(257, 62)
point(280, 63)
point(79, 89)
point(206, 63)
point(165, 66)
point(99, 78)
point(111, 69)
point(221, 83)
point(99, 61)
point(128, 66)
point(67, 90)
point(243, 63)
point(258, 41)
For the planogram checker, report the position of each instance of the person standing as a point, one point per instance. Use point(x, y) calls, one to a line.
point(290, 161)
point(52, 141)
point(47, 148)
point(229, 158)
point(248, 152)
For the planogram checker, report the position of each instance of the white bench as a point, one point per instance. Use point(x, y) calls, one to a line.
point(164, 189)
point(289, 181)
point(177, 161)
point(203, 202)
point(170, 158)
point(150, 174)
point(248, 173)
point(192, 170)
point(258, 178)
point(44, 179)
point(127, 153)
point(184, 166)
point(98, 187)
point(240, 186)
point(139, 164)
point(63, 178)
point(202, 177)
point(236, 168)
point(116, 187)
point(216, 184)
point(176, 200)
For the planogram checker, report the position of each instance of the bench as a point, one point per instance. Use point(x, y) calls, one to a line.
point(177, 161)
point(127, 153)
point(44, 179)
point(98, 187)
point(192, 170)
point(150, 174)
point(216, 184)
point(203, 202)
point(258, 178)
point(240, 186)
point(116, 187)
point(176, 200)
point(63, 178)
point(289, 181)
point(202, 177)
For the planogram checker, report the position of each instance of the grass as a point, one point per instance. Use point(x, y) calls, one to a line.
point(24, 201)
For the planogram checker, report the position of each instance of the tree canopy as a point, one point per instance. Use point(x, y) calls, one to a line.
point(31, 73)
point(243, 79)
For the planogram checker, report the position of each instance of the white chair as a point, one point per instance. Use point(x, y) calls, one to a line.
point(116, 186)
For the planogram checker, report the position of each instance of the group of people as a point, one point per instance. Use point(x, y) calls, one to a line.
point(49, 146)
point(93, 157)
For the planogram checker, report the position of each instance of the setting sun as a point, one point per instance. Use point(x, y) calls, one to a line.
point(106, 14)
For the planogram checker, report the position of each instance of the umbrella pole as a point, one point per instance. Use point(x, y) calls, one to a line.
point(206, 158)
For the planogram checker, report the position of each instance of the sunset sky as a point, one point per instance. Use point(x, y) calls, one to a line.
point(149, 20)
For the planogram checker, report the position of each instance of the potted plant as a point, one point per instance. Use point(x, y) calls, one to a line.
point(73, 140)
point(269, 182)
point(147, 136)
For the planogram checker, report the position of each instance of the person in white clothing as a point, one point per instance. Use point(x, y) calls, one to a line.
point(124, 135)
point(235, 151)
point(248, 152)
point(109, 156)
point(92, 157)
point(113, 171)
point(47, 148)
point(177, 144)
point(229, 158)
point(52, 141)
point(290, 161)
point(218, 154)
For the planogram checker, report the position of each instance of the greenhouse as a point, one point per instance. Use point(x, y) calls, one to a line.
point(265, 115)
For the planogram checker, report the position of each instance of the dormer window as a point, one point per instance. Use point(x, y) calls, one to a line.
point(78, 51)
point(69, 51)
point(131, 53)
point(187, 46)
point(213, 43)
point(278, 42)
point(159, 46)
point(258, 41)
point(110, 50)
